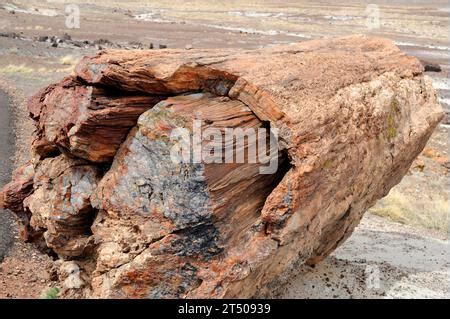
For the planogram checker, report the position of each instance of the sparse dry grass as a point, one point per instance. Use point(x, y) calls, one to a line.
point(30, 73)
point(68, 60)
point(13, 50)
point(431, 213)
point(11, 68)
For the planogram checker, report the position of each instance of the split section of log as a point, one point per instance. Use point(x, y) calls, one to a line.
point(188, 211)
point(85, 121)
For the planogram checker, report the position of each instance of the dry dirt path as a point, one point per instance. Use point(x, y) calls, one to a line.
point(6, 152)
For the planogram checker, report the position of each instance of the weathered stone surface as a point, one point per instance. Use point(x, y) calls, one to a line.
point(281, 82)
point(21, 186)
point(85, 121)
point(352, 114)
point(60, 204)
point(175, 216)
point(13, 195)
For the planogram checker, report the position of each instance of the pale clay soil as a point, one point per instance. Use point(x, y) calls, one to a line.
point(382, 259)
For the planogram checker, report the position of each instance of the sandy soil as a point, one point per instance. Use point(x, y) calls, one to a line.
point(382, 259)
point(23, 269)
point(410, 260)
point(25, 272)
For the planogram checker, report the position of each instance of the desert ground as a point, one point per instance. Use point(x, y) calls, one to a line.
point(402, 241)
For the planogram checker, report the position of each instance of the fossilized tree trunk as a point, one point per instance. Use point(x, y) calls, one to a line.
point(352, 114)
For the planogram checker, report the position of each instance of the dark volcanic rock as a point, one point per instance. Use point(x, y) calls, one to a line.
point(431, 66)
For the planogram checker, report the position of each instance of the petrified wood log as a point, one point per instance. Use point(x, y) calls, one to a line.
point(176, 215)
point(350, 115)
point(60, 204)
point(85, 121)
point(13, 195)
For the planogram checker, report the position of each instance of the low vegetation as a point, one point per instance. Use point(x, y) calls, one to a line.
point(52, 293)
point(431, 212)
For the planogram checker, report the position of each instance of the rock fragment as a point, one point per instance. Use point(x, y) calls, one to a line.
point(60, 204)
